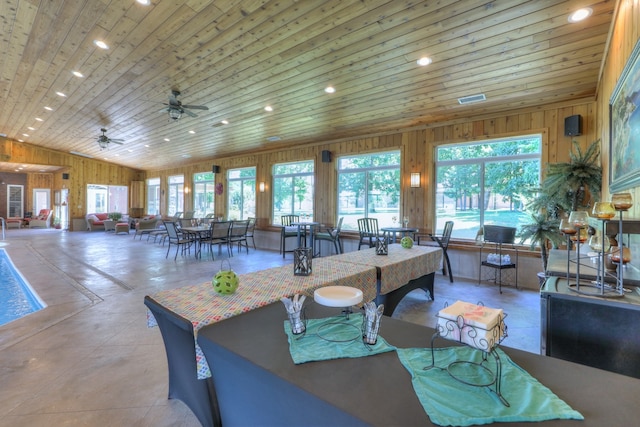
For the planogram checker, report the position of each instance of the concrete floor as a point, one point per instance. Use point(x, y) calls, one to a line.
point(88, 359)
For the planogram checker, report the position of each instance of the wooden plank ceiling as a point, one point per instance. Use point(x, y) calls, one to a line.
point(238, 56)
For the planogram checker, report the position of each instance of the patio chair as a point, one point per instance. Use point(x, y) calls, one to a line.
point(442, 241)
point(331, 235)
point(238, 234)
point(218, 235)
point(288, 231)
point(176, 238)
point(368, 229)
point(250, 230)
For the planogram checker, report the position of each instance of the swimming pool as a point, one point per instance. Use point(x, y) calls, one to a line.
point(17, 298)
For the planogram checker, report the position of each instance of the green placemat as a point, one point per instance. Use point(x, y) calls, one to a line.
point(332, 338)
point(448, 402)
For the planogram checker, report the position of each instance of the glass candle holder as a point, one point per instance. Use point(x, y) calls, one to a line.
point(622, 201)
point(598, 244)
point(615, 255)
point(579, 218)
point(603, 210)
point(567, 228)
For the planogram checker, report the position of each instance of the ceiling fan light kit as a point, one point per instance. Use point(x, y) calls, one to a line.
point(104, 140)
point(176, 109)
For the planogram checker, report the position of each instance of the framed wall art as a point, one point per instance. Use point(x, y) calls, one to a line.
point(624, 127)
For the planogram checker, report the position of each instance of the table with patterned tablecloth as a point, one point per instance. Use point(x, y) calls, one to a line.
point(399, 272)
point(202, 306)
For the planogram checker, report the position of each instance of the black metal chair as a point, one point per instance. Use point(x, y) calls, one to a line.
point(288, 231)
point(218, 235)
point(331, 235)
point(443, 241)
point(368, 229)
point(238, 234)
point(176, 238)
point(250, 230)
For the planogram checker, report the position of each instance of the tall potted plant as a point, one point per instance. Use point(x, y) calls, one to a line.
point(567, 187)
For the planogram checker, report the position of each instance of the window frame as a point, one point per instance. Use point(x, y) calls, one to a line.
point(307, 213)
point(483, 163)
point(208, 182)
point(175, 187)
point(245, 185)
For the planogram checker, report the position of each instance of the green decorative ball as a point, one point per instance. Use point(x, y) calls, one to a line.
point(225, 282)
point(406, 242)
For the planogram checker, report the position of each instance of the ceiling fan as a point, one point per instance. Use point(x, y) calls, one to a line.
point(104, 140)
point(176, 109)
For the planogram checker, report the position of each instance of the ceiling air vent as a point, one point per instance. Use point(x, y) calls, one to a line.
point(472, 98)
point(273, 138)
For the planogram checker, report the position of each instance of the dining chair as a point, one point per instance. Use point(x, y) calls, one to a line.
point(238, 234)
point(442, 241)
point(218, 235)
point(189, 214)
point(331, 235)
point(288, 231)
point(250, 230)
point(177, 239)
point(368, 230)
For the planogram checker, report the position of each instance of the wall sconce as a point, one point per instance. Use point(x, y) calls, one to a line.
point(261, 186)
point(415, 179)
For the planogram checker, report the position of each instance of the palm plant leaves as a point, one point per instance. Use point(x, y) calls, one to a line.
point(567, 182)
point(540, 231)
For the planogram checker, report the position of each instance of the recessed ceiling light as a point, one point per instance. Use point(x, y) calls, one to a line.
point(25, 135)
point(77, 74)
point(31, 128)
point(192, 132)
point(186, 156)
point(166, 139)
point(144, 2)
point(38, 119)
point(101, 44)
point(580, 14)
point(146, 145)
point(268, 108)
point(273, 138)
point(61, 94)
point(48, 108)
point(330, 89)
point(21, 140)
point(225, 122)
point(425, 60)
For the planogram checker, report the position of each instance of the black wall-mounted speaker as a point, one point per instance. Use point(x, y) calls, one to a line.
point(326, 156)
point(573, 125)
point(215, 169)
point(65, 176)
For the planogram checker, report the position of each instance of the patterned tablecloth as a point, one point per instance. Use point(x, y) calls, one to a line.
point(203, 306)
point(400, 266)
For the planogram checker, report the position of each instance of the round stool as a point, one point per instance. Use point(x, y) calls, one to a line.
point(122, 227)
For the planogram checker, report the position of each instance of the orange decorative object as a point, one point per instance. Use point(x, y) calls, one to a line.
point(604, 210)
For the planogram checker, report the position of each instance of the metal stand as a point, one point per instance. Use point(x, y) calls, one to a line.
point(476, 374)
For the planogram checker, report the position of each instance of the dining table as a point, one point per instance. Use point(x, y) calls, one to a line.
point(199, 232)
point(258, 383)
point(399, 272)
point(303, 226)
point(403, 231)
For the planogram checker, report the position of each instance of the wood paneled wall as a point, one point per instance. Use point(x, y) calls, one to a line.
point(82, 171)
point(417, 146)
point(625, 35)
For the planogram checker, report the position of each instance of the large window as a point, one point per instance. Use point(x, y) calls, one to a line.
point(241, 197)
point(15, 201)
point(176, 195)
point(203, 192)
point(483, 183)
point(293, 190)
point(153, 196)
point(107, 198)
point(369, 186)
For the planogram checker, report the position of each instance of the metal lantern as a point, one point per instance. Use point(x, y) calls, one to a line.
point(382, 246)
point(302, 261)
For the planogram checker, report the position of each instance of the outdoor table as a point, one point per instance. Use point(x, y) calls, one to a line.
point(302, 226)
point(402, 230)
point(198, 232)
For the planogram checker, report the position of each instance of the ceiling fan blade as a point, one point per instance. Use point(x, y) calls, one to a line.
point(190, 113)
point(117, 141)
point(196, 107)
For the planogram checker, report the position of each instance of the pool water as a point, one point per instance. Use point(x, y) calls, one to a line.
point(17, 298)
